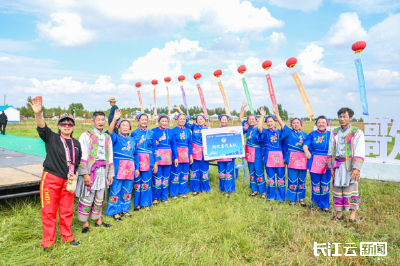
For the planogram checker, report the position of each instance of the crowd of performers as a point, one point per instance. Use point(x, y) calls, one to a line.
point(154, 165)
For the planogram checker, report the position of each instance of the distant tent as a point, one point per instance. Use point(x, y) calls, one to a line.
point(214, 117)
point(11, 113)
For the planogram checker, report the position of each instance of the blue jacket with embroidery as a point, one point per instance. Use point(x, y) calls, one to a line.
point(146, 143)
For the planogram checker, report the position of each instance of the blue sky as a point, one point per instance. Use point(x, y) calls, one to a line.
point(81, 51)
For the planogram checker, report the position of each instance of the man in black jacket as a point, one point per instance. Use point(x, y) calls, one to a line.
point(3, 123)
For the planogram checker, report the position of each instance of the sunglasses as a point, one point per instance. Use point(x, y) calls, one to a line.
point(66, 125)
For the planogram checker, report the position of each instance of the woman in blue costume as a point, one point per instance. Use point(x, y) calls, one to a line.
point(226, 166)
point(147, 153)
point(166, 148)
point(273, 159)
point(199, 176)
point(126, 161)
point(254, 153)
point(295, 159)
point(316, 149)
point(178, 183)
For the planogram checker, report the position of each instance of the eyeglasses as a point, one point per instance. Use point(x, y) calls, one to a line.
point(66, 125)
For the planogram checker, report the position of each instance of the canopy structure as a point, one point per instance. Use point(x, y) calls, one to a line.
point(11, 113)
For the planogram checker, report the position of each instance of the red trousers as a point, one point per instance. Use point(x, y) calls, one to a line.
point(54, 195)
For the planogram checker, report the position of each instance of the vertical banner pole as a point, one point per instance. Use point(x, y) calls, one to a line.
point(361, 85)
point(246, 91)
point(140, 101)
point(169, 108)
point(271, 90)
point(184, 100)
point(303, 95)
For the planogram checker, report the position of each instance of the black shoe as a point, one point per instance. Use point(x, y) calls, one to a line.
point(195, 193)
point(103, 224)
point(136, 209)
point(117, 218)
point(335, 218)
point(75, 243)
point(352, 221)
point(302, 204)
point(85, 230)
point(45, 249)
point(125, 214)
point(326, 210)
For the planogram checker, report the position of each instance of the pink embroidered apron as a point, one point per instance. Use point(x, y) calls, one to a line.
point(144, 162)
point(319, 164)
point(275, 159)
point(250, 154)
point(183, 155)
point(165, 155)
point(126, 170)
point(197, 152)
point(297, 160)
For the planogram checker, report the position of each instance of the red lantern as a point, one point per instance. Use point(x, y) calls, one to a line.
point(358, 47)
point(291, 62)
point(181, 78)
point(241, 69)
point(167, 79)
point(138, 84)
point(197, 76)
point(266, 65)
point(154, 82)
point(218, 73)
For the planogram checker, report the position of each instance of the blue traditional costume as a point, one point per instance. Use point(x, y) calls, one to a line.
point(318, 145)
point(166, 149)
point(199, 176)
point(254, 153)
point(274, 162)
point(125, 161)
point(296, 162)
point(147, 153)
point(180, 175)
point(225, 170)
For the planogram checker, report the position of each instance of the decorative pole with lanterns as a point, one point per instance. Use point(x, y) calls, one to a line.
point(138, 85)
point(181, 78)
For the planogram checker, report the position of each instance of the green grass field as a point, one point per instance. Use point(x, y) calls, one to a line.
point(208, 230)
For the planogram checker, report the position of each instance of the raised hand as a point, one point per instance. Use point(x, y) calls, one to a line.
point(244, 104)
point(275, 109)
point(262, 111)
point(176, 107)
point(117, 114)
point(36, 107)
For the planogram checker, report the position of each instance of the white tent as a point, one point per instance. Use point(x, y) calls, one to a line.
point(214, 117)
point(11, 113)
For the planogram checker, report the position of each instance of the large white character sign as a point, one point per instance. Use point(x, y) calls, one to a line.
point(377, 130)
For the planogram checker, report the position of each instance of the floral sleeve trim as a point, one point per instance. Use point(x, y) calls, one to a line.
point(83, 162)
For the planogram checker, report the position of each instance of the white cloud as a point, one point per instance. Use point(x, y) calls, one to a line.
point(346, 31)
point(126, 19)
point(350, 96)
point(372, 6)
point(159, 63)
point(384, 39)
point(65, 29)
point(305, 5)
point(14, 46)
point(230, 43)
point(275, 41)
point(312, 67)
point(9, 60)
point(382, 79)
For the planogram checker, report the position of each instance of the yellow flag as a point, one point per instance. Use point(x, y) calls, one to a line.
point(303, 95)
point(224, 97)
